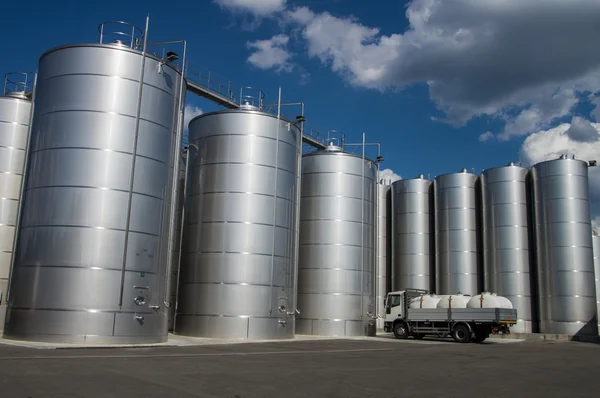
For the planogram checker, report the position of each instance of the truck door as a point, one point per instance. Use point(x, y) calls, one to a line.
point(394, 306)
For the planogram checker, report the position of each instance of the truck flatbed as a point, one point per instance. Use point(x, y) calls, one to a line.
point(496, 315)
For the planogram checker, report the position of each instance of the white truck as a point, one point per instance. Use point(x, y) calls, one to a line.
point(416, 313)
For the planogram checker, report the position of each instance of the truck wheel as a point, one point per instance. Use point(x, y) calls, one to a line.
point(461, 334)
point(401, 330)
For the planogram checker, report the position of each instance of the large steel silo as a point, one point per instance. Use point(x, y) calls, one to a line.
point(238, 256)
point(457, 263)
point(337, 244)
point(563, 237)
point(506, 239)
point(384, 247)
point(413, 256)
point(596, 248)
point(15, 114)
point(91, 256)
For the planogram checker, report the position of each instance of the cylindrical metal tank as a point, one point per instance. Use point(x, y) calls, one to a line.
point(506, 239)
point(457, 265)
point(413, 256)
point(383, 274)
point(337, 244)
point(563, 237)
point(238, 261)
point(91, 256)
point(15, 113)
point(596, 246)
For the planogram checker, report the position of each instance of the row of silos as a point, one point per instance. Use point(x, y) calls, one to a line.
point(523, 234)
point(97, 257)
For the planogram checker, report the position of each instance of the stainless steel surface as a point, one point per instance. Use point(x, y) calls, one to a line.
point(413, 242)
point(237, 269)
point(596, 248)
point(457, 265)
point(563, 238)
point(176, 252)
point(337, 245)
point(506, 240)
point(14, 132)
point(384, 248)
point(72, 244)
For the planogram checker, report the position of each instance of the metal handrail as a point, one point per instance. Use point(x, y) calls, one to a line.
point(335, 137)
point(18, 83)
point(133, 40)
point(212, 81)
point(255, 98)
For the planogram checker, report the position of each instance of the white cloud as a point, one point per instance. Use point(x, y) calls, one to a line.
point(388, 174)
point(582, 130)
point(550, 144)
point(189, 113)
point(271, 53)
point(488, 135)
point(259, 8)
point(596, 225)
point(524, 62)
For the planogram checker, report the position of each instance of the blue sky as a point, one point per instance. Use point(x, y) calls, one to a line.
point(441, 85)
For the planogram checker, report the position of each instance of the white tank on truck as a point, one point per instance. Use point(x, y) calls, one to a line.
point(489, 300)
point(454, 301)
point(425, 301)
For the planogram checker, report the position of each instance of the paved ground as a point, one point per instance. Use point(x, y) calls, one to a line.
point(377, 367)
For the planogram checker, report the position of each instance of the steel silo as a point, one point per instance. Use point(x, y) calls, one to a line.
point(384, 236)
point(457, 264)
point(238, 256)
point(596, 248)
point(506, 239)
point(413, 256)
point(91, 256)
point(15, 115)
point(563, 237)
point(337, 244)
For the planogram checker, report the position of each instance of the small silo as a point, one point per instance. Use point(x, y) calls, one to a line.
point(596, 246)
point(413, 256)
point(91, 255)
point(337, 244)
point(563, 238)
point(457, 263)
point(15, 114)
point(384, 247)
point(237, 271)
point(506, 240)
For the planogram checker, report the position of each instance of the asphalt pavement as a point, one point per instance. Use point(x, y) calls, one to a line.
point(374, 367)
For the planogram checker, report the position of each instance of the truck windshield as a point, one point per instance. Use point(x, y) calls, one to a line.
point(394, 301)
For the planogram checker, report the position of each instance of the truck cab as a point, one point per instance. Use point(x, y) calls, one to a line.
point(397, 304)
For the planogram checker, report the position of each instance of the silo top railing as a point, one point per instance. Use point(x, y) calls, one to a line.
point(122, 33)
point(18, 84)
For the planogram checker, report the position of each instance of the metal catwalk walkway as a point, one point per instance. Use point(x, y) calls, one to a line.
point(207, 84)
